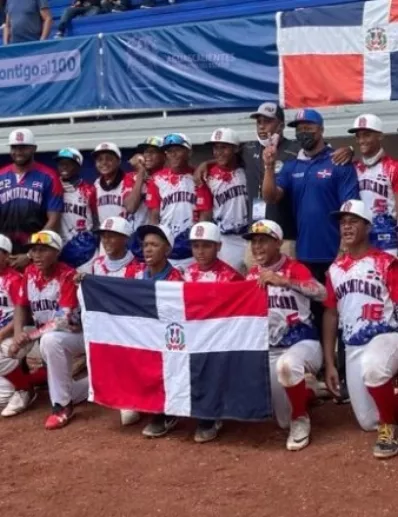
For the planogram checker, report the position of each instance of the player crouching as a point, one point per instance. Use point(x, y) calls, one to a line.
point(294, 344)
point(362, 300)
point(48, 295)
point(205, 239)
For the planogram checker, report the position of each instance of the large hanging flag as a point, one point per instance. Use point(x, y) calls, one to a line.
point(184, 349)
point(338, 54)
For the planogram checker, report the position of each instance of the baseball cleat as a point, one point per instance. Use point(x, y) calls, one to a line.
point(159, 426)
point(387, 441)
point(60, 417)
point(299, 436)
point(129, 417)
point(207, 430)
point(19, 402)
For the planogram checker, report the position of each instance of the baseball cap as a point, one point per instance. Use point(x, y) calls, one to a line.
point(205, 231)
point(117, 225)
point(151, 141)
point(108, 147)
point(355, 207)
point(176, 139)
point(225, 135)
point(21, 136)
point(47, 238)
point(5, 244)
point(264, 227)
point(158, 229)
point(269, 110)
point(371, 122)
point(307, 115)
point(70, 153)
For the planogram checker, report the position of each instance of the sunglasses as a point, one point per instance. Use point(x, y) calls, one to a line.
point(175, 139)
point(42, 238)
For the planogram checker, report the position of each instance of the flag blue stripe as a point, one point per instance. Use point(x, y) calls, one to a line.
point(120, 296)
point(394, 75)
point(232, 385)
point(328, 16)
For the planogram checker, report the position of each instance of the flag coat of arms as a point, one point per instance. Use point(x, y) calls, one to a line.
point(184, 349)
point(338, 54)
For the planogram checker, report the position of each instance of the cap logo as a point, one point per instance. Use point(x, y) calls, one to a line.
point(104, 146)
point(218, 135)
point(347, 206)
point(300, 115)
point(20, 137)
point(199, 232)
point(109, 224)
point(362, 122)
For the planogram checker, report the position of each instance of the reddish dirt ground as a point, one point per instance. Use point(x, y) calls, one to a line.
point(94, 468)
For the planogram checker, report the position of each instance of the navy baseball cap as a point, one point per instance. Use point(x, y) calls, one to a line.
point(307, 115)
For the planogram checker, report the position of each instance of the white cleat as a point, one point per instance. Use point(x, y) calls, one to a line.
point(129, 417)
point(19, 402)
point(299, 436)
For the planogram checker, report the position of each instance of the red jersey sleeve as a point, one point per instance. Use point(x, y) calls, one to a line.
point(394, 176)
point(68, 292)
point(331, 301)
point(175, 276)
point(392, 281)
point(235, 276)
point(153, 199)
point(204, 198)
point(301, 273)
point(22, 295)
point(15, 287)
point(92, 200)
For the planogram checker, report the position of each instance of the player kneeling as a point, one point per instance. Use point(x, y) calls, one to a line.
point(294, 344)
point(362, 300)
point(205, 239)
point(48, 295)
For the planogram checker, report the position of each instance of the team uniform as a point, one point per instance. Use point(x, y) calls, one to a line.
point(46, 297)
point(229, 197)
point(25, 200)
point(174, 195)
point(128, 267)
point(365, 293)
point(110, 198)
point(219, 272)
point(171, 274)
point(378, 185)
point(294, 343)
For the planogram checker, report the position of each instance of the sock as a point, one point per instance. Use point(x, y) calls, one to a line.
point(385, 402)
point(298, 399)
point(311, 395)
point(19, 379)
point(39, 376)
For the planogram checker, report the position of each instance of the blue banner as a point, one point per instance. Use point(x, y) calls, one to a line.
point(221, 64)
point(49, 77)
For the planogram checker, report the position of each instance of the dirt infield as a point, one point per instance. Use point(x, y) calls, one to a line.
point(94, 468)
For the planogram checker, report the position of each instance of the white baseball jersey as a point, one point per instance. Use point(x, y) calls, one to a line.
point(128, 270)
point(219, 272)
point(290, 318)
point(80, 209)
point(230, 200)
point(110, 202)
point(365, 293)
point(377, 185)
point(10, 284)
point(140, 217)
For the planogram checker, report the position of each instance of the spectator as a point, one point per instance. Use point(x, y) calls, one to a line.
point(78, 8)
point(29, 20)
point(115, 6)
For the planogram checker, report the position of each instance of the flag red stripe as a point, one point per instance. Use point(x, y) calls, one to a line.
point(394, 11)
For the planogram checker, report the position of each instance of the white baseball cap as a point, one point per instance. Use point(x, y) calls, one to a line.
point(117, 225)
point(225, 135)
point(371, 122)
point(5, 244)
point(205, 231)
point(158, 229)
point(47, 238)
point(21, 136)
point(70, 153)
point(355, 207)
point(269, 110)
point(265, 227)
point(108, 147)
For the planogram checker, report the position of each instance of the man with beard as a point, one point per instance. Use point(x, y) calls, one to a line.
point(30, 196)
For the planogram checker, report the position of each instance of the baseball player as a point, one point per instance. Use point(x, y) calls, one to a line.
point(378, 182)
point(171, 197)
point(294, 343)
point(79, 217)
point(206, 241)
point(362, 300)
point(48, 295)
point(227, 184)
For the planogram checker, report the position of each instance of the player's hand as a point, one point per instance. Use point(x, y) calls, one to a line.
point(269, 156)
point(342, 156)
point(200, 174)
point(18, 342)
point(138, 163)
point(19, 261)
point(271, 278)
point(78, 278)
point(332, 380)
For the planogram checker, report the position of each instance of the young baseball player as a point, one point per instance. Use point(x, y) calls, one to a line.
point(226, 181)
point(206, 241)
point(171, 197)
point(79, 217)
point(294, 344)
point(362, 288)
point(48, 295)
point(378, 182)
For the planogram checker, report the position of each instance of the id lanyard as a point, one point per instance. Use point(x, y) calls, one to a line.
point(258, 207)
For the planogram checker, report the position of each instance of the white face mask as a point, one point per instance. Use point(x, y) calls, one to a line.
point(369, 162)
point(272, 140)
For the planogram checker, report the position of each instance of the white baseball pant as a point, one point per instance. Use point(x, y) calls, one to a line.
point(233, 249)
point(371, 365)
point(58, 350)
point(287, 368)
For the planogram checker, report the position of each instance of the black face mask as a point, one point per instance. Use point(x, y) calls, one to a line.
point(307, 140)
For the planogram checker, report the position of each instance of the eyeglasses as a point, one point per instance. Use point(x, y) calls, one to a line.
point(42, 238)
point(175, 139)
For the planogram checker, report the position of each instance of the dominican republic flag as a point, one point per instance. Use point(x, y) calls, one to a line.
point(338, 54)
point(184, 349)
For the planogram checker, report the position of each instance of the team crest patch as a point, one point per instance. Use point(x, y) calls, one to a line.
point(376, 39)
point(199, 232)
point(324, 174)
point(278, 166)
point(362, 122)
point(346, 207)
point(109, 224)
point(300, 115)
point(20, 137)
point(104, 146)
point(175, 337)
point(218, 135)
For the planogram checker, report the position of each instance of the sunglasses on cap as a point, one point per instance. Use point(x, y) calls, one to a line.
point(261, 228)
point(175, 139)
point(43, 238)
